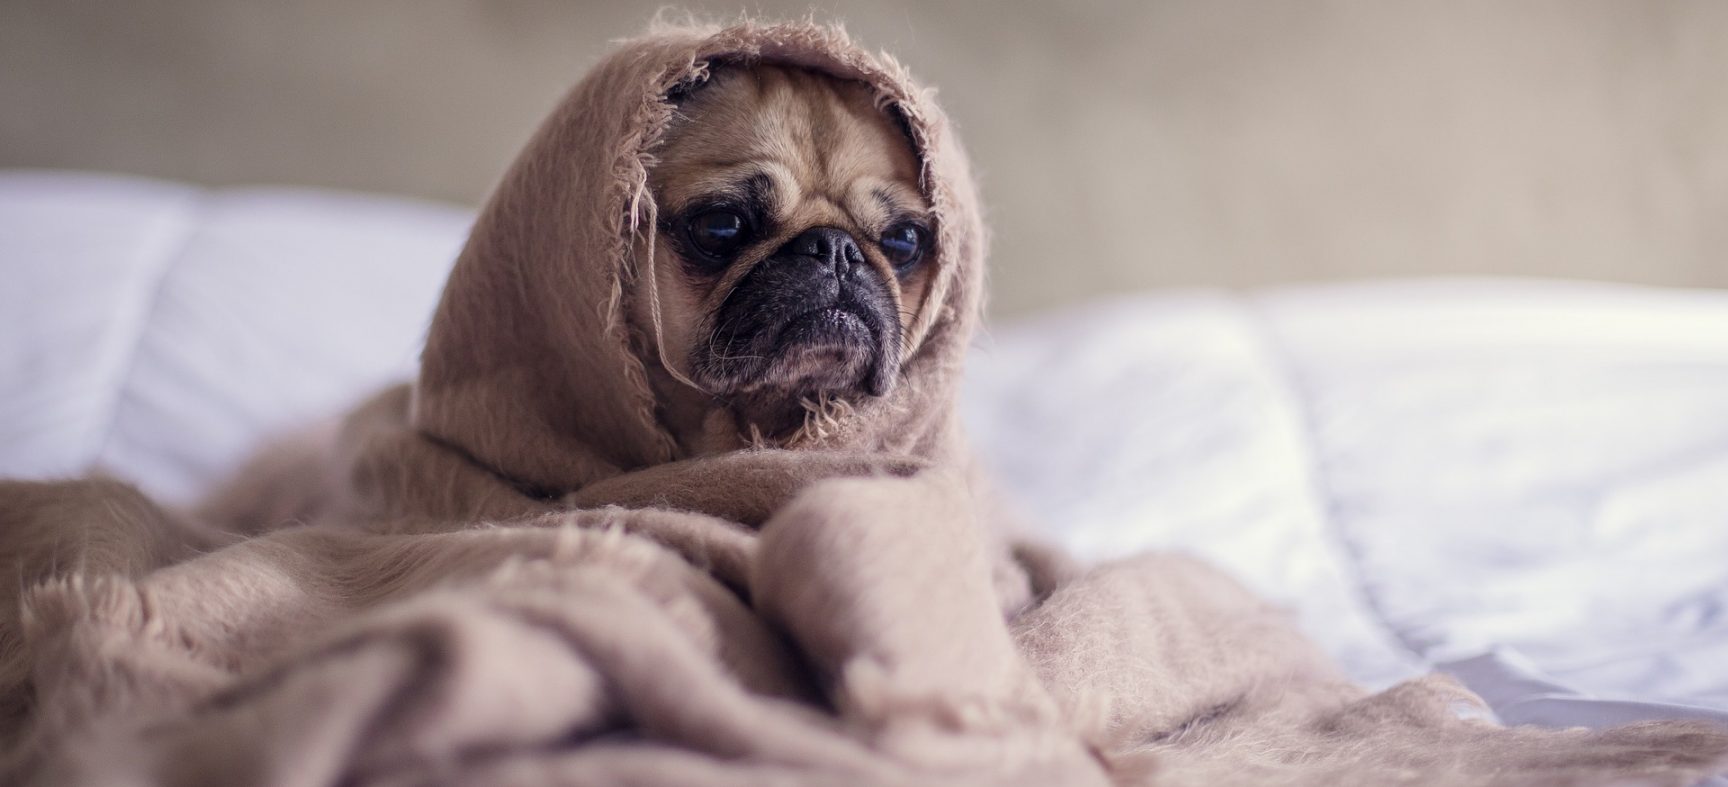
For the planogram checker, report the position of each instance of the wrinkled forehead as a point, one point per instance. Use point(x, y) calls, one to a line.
point(798, 133)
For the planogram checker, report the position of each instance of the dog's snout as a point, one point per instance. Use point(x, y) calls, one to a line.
point(831, 246)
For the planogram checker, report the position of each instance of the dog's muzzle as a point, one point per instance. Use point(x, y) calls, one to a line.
point(814, 316)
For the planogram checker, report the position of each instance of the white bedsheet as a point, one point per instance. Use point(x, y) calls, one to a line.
point(1523, 483)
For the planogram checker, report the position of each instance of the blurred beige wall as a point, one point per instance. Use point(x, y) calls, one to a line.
point(1122, 144)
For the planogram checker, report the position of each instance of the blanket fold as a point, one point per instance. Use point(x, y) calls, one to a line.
point(508, 573)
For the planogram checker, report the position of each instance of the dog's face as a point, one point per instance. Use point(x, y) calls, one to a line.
point(794, 244)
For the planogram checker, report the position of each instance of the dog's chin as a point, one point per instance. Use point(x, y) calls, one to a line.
point(830, 352)
point(823, 351)
point(826, 351)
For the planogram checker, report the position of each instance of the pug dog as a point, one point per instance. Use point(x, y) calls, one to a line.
point(791, 250)
point(791, 253)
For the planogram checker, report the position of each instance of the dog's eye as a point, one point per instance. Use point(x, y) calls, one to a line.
point(719, 232)
point(904, 244)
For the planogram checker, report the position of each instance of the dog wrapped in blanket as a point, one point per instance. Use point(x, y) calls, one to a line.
point(680, 497)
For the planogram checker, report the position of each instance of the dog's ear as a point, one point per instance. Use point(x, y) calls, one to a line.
point(897, 116)
point(683, 90)
point(700, 78)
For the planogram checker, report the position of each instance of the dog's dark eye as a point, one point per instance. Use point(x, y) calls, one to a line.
point(718, 233)
point(904, 244)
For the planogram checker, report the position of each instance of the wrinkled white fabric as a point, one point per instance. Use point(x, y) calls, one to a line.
point(159, 331)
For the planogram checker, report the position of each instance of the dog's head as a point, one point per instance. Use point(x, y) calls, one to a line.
point(757, 235)
point(794, 242)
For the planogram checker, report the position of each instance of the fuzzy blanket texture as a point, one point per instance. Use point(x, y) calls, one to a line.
point(506, 574)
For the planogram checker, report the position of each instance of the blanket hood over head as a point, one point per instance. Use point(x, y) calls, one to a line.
point(534, 367)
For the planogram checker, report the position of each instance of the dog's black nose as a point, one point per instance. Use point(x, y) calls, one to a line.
point(833, 247)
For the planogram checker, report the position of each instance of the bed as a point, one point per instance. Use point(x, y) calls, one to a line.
point(1523, 483)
